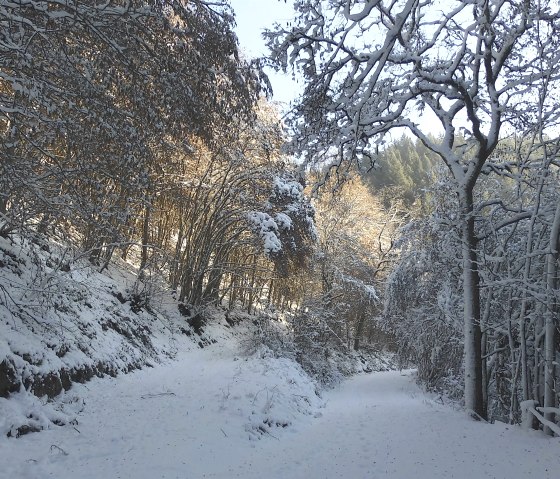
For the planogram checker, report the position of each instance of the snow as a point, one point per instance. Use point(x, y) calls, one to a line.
point(58, 319)
point(284, 221)
point(267, 229)
point(218, 413)
point(288, 188)
point(232, 409)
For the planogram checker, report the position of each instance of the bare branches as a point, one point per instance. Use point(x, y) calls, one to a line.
point(414, 55)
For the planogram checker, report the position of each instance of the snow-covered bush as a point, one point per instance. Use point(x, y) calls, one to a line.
point(423, 305)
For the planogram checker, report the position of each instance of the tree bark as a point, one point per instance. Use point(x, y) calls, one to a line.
point(551, 319)
point(11, 136)
point(359, 329)
point(474, 399)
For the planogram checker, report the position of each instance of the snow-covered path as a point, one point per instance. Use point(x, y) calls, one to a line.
point(382, 426)
point(198, 418)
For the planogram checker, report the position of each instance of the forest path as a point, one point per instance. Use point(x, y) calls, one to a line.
point(382, 426)
point(188, 420)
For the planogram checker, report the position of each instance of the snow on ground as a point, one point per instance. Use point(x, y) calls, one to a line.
point(60, 314)
point(215, 413)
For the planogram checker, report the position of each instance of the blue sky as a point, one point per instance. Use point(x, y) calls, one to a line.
point(252, 17)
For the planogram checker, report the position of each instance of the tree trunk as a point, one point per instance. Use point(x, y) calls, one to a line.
point(11, 136)
point(550, 319)
point(538, 373)
point(359, 330)
point(145, 238)
point(484, 348)
point(474, 399)
point(3, 206)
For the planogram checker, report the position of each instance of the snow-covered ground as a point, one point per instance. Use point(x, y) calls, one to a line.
point(231, 409)
point(215, 413)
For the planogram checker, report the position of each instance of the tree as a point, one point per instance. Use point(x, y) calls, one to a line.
point(405, 169)
point(90, 94)
point(422, 301)
point(354, 254)
point(374, 67)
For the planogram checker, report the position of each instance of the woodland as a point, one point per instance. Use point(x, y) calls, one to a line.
point(408, 202)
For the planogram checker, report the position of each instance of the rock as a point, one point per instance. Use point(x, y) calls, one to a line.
point(49, 385)
point(8, 380)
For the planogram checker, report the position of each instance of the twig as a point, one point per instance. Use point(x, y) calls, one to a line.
point(257, 393)
point(271, 435)
point(155, 395)
point(54, 446)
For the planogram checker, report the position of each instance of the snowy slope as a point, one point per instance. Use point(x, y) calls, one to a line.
point(198, 414)
point(215, 414)
point(62, 322)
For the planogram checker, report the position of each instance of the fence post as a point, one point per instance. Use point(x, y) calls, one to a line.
point(528, 419)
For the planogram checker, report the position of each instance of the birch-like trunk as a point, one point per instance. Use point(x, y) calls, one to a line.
point(551, 319)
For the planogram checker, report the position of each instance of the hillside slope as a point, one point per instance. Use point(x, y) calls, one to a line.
point(63, 322)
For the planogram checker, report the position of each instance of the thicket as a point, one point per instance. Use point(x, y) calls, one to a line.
point(516, 228)
point(136, 128)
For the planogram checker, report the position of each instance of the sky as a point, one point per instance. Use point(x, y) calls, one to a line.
point(252, 17)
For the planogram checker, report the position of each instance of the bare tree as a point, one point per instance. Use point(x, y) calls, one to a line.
point(91, 93)
point(373, 67)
